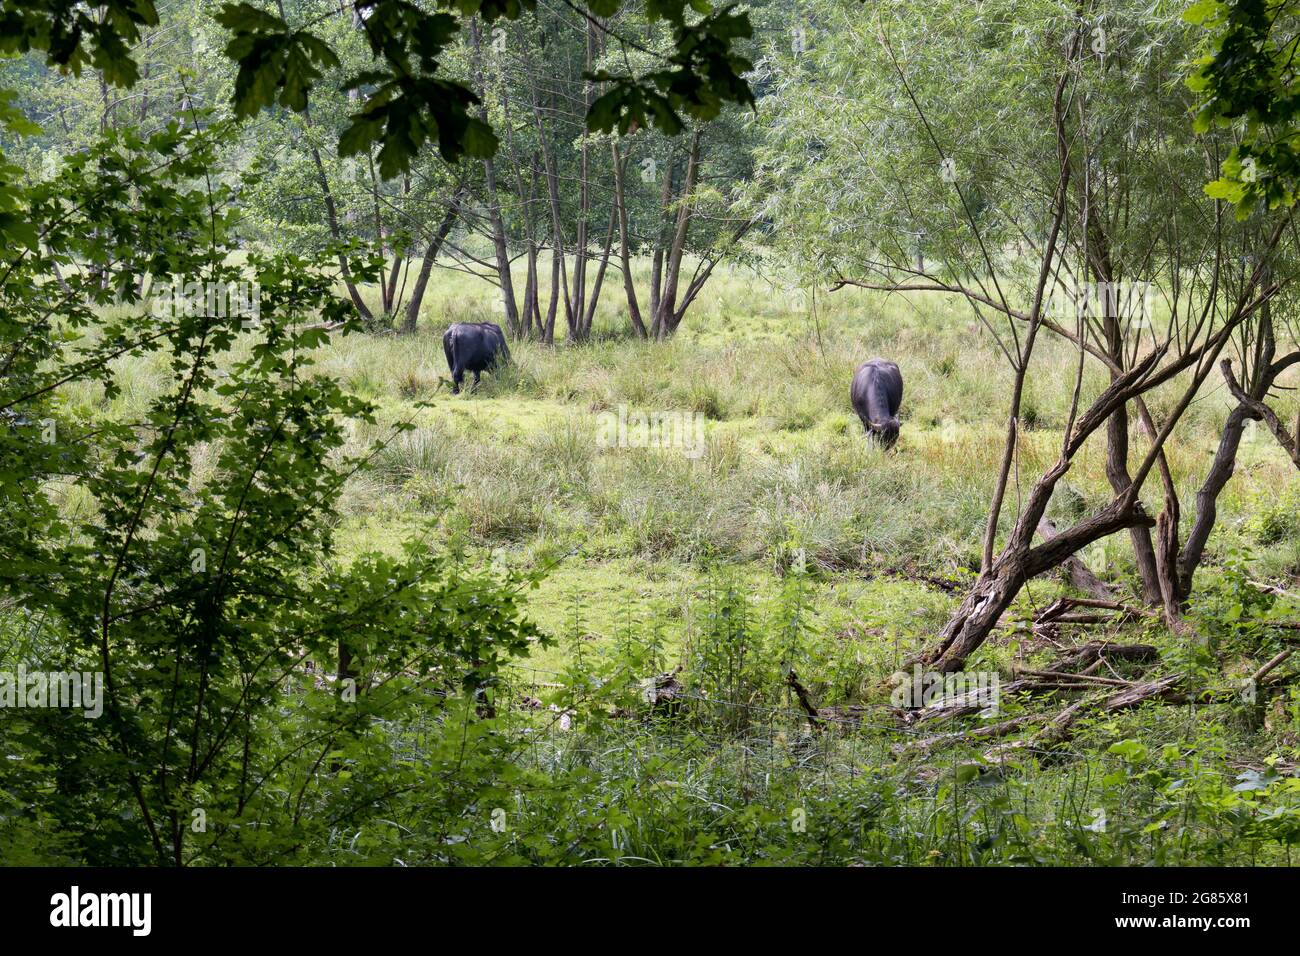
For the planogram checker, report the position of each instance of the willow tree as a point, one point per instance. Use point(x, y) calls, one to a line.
point(1245, 81)
point(1022, 158)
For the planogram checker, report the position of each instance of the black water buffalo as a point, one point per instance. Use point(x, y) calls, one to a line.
point(876, 393)
point(473, 347)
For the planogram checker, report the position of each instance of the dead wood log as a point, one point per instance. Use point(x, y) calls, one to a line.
point(1274, 590)
point(1059, 727)
point(911, 573)
point(1056, 677)
point(1059, 675)
point(1033, 682)
point(1058, 610)
point(1166, 689)
point(964, 705)
point(663, 692)
point(927, 744)
point(1095, 651)
point(1283, 768)
point(1085, 619)
point(323, 327)
point(1080, 575)
point(849, 716)
point(1277, 659)
point(1108, 605)
point(975, 701)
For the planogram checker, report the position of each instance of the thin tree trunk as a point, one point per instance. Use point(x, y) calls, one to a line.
point(558, 274)
point(385, 293)
point(332, 219)
point(400, 257)
point(502, 250)
point(1117, 429)
point(145, 70)
point(590, 316)
point(661, 237)
point(527, 194)
point(1178, 567)
point(557, 280)
point(331, 210)
point(499, 244)
point(578, 298)
point(666, 319)
point(535, 251)
point(430, 255)
point(624, 247)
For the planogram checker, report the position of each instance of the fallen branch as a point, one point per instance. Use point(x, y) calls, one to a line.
point(1275, 590)
point(1095, 651)
point(1114, 681)
point(1278, 659)
point(323, 327)
point(849, 716)
point(1123, 694)
point(1080, 575)
point(1058, 611)
point(1060, 728)
point(1001, 729)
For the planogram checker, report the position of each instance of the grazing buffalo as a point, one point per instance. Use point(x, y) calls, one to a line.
point(473, 347)
point(876, 393)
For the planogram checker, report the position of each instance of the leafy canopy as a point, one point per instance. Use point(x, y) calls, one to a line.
point(407, 101)
point(1248, 77)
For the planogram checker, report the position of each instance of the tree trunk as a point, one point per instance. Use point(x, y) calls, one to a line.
point(332, 219)
point(430, 255)
point(590, 316)
point(400, 257)
point(559, 280)
point(666, 317)
point(1117, 428)
point(577, 309)
point(657, 260)
point(499, 245)
point(998, 586)
point(624, 248)
point(385, 293)
point(527, 191)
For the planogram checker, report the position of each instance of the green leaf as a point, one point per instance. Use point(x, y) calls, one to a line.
point(1202, 11)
